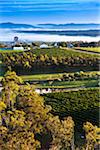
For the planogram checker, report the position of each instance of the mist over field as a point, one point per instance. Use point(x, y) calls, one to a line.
point(8, 35)
point(47, 33)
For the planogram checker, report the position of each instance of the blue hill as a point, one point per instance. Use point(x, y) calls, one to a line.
point(13, 25)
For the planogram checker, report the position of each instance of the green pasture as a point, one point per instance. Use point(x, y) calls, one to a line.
point(50, 76)
point(42, 77)
point(91, 49)
point(10, 51)
point(70, 84)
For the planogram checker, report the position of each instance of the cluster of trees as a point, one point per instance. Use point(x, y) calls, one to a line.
point(86, 44)
point(2, 45)
point(29, 60)
point(79, 44)
point(25, 121)
point(62, 44)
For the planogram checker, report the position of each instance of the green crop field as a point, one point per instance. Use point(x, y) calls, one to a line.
point(58, 52)
point(74, 98)
point(79, 104)
point(82, 105)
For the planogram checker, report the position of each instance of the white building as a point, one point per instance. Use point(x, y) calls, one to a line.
point(44, 46)
point(69, 45)
point(56, 45)
point(28, 48)
point(43, 91)
point(18, 48)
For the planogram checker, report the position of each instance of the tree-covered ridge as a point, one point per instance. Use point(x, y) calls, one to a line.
point(25, 120)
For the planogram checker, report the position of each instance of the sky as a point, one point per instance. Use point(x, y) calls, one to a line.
point(50, 11)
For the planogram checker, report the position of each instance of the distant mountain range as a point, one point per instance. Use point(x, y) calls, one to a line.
point(71, 29)
point(10, 25)
point(92, 33)
point(70, 26)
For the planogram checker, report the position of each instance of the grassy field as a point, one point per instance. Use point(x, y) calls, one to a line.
point(62, 84)
point(50, 76)
point(10, 51)
point(42, 77)
point(70, 84)
point(58, 52)
point(91, 49)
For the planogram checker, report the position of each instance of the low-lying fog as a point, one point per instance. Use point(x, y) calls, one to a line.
point(8, 35)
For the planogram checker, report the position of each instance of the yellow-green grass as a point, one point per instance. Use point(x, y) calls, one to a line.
point(42, 77)
point(10, 51)
point(39, 77)
point(51, 76)
point(70, 84)
point(91, 49)
point(66, 84)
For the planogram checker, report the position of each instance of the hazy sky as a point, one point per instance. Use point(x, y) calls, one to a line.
point(50, 11)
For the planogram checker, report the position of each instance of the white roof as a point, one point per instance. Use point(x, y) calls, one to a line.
point(56, 44)
point(18, 48)
point(44, 46)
